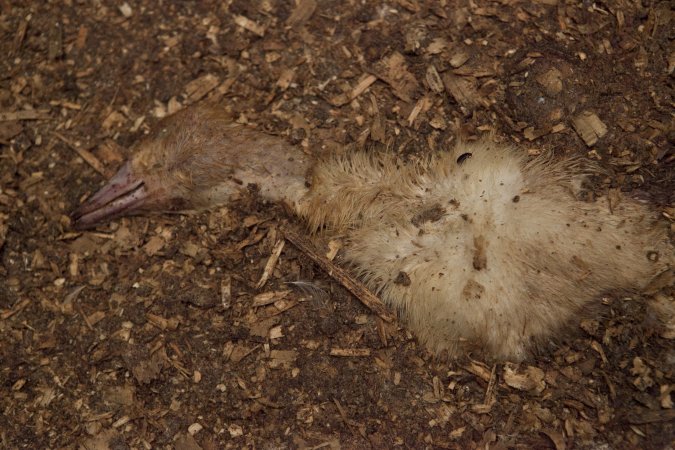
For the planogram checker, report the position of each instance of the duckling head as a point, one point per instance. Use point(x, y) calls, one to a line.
point(196, 159)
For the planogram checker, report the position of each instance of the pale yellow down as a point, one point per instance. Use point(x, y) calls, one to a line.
point(493, 253)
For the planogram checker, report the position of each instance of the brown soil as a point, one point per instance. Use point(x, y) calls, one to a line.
point(145, 333)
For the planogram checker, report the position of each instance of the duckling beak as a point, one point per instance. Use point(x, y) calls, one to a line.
point(124, 194)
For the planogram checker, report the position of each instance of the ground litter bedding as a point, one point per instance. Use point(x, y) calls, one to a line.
point(153, 332)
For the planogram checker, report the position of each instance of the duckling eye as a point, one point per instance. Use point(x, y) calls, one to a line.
point(463, 157)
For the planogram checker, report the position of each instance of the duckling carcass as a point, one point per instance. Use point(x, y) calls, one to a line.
point(476, 248)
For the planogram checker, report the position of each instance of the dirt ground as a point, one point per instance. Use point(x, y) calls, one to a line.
point(150, 332)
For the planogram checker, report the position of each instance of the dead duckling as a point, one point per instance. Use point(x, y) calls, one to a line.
point(194, 160)
point(476, 248)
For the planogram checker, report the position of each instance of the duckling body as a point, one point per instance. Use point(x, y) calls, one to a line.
point(492, 253)
point(477, 248)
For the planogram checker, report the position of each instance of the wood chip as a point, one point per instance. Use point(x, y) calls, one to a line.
point(411, 6)
point(249, 25)
point(285, 78)
point(81, 39)
point(161, 322)
point(154, 245)
point(9, 130)
point(114, 119)
point(226, 292)
point(276, 333)
point(421, 106)
point(489, 397)
point(261, 328)
point(377, 128)
point(235, 430)
point(103, 440)
point(19, 36)
point(282, 358)
point(197, 89)
point(145, 367)
point(271, 263)
point(434, 79)
point(529, 378)
point(363, 84)
point(589, 127)
point(557, 438)
point(334, 246)
point(304, 9)
point(88, 157)
point(185, 441)
point(125, 10)
point(437, 45)
point(480, 370)
point(551, 81)
point(55, 39)
point(3, 228)
point(240, 352)
point(648, 416)
point(598, 348)
point(110, 152)
point(558, 128)
point(462, 89)
point(6, 314)
point(393, 70)
point(350, 352)
point(267, 298)
point(457, 433)
point(459, 58)
point(96, 317)
point(253, 238)
point(24, 114)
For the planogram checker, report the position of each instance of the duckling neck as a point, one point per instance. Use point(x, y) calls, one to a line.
point(280, 176)
point(276, 168)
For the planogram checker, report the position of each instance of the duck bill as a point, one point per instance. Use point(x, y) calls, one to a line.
point(124, 194)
